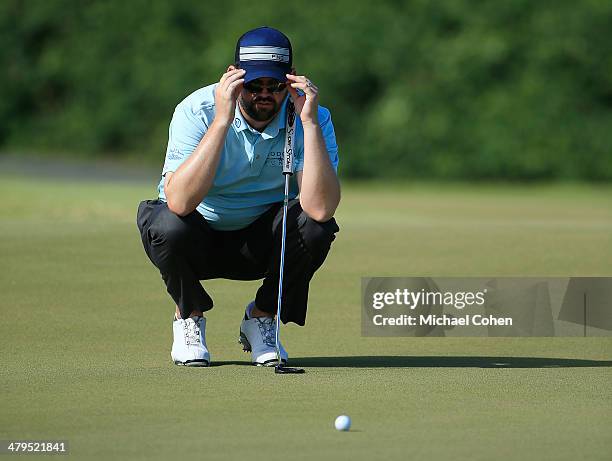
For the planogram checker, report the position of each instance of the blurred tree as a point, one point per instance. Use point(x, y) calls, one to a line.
point(470, 89)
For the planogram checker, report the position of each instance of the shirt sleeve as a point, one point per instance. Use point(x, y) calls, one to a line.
point(185, 132)
point(327, 127)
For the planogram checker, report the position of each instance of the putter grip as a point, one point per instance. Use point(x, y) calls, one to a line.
point(289, 139)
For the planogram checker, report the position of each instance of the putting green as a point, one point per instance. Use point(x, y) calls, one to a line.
point(86, 335)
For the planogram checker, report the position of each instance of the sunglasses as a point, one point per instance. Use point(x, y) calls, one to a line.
point(253, 87)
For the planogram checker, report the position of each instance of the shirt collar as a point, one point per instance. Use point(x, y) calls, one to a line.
point(271, 131)
point(240, 124)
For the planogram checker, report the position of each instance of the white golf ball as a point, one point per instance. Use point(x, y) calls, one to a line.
point(343, 423)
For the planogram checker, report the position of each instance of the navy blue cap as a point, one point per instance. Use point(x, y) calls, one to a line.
point(264, 52)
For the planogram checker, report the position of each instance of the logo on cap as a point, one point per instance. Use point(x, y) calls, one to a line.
point(264, 53)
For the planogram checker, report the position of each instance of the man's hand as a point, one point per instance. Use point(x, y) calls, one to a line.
point(306, 105)
point(227, 93)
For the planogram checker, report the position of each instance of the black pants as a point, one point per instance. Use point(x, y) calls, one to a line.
point(187, 250)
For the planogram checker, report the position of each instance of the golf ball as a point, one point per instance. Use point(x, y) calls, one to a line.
point(343, 423)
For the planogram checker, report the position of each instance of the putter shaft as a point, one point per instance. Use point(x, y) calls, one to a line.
point(282, 267)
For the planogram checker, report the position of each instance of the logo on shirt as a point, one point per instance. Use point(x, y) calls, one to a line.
point(274, 159)
point(174, 154)
point(237, 122)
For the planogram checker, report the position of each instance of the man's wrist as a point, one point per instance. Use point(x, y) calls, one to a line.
point(223, 122)
point(311, 123)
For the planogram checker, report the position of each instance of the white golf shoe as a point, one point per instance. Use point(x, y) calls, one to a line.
point(189, 346)
point(257, 336)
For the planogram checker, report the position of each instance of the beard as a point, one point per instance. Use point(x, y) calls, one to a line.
point(261, 114)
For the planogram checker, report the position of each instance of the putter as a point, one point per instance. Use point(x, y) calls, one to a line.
point(287, 173)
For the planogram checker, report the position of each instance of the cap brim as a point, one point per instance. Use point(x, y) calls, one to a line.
point(255, 72)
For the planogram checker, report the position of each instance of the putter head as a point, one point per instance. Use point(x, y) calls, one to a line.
point(283, 370)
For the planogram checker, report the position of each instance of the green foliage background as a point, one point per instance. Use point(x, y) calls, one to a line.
point(516, 90)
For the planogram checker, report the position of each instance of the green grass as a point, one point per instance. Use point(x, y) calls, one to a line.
point(86, 335)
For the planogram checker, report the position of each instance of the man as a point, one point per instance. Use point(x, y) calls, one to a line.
point(219, 211)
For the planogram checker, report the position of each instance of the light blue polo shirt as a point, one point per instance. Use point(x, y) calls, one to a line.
point(249, 177)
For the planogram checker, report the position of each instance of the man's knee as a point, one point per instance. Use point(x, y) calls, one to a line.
point(317, 236)
point(170, 230)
